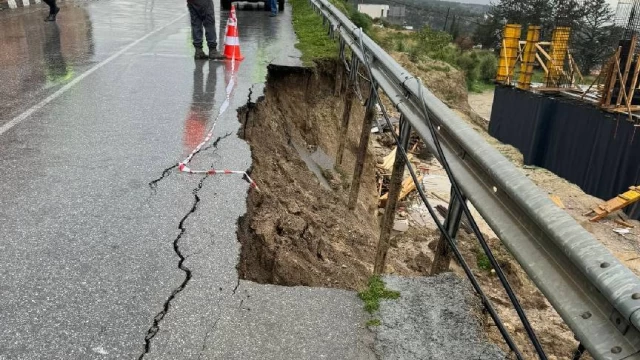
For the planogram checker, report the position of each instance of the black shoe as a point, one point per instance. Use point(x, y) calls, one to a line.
point(200, 54)
point(214, 55)
point(52, 16)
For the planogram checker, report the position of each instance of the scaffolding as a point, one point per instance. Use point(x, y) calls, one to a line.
point(555, 74)
point(615, 88)
point(508, 53)
point(529, 56)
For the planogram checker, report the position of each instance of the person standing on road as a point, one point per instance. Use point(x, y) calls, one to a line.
point(274, 7)
point(202, 15)
point(53, 10)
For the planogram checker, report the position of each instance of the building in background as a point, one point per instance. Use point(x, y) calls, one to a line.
point(622, 12)
point(397, 11)
point(376, 11)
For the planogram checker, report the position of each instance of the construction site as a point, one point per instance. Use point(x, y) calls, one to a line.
point(585, 133)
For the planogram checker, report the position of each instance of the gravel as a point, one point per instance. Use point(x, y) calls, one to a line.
point(434, 318)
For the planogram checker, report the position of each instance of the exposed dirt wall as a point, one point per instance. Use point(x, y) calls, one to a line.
point(296, 231)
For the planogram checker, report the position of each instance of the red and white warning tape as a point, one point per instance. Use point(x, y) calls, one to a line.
point(182, 166)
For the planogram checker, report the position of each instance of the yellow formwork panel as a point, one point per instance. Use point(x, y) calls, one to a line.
point(528, 57)
point(630, 195)
point(508, 53)
point(558, 52)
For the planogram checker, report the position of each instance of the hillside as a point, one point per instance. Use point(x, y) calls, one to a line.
point(462, 17)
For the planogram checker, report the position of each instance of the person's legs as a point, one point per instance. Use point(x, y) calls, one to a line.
point(196, 31)
point(196, 26)
point(274, 7)
point(210, 31)
point(53, 10)
point(209, 22)
point(52, 6)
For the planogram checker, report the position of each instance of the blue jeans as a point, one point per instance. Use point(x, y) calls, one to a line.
point(274, 6)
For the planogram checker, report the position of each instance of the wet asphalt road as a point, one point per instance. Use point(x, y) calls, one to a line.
point(93, 109)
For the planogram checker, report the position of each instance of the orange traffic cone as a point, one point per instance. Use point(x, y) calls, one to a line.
point(233, 12)
point(232, 41)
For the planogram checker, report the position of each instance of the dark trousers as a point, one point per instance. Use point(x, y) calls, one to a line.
point(52, 5)
point(202, 15)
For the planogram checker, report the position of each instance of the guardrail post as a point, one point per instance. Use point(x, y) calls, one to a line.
point(394, 191)
point(578, 354)
point(361, 156)
point(442, 257)
point(339, 77)
point(346, 117)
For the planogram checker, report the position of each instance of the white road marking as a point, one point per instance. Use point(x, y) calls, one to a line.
point(18, 119)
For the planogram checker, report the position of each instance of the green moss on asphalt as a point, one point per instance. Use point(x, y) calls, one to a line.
point(374, 322)
point(375, 291)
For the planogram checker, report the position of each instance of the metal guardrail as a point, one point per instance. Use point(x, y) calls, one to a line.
point(596, 295)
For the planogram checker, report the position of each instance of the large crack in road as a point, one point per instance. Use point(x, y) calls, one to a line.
point(153, 184)
point(155, 327)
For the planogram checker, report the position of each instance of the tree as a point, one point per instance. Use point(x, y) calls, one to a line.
point(455, 28)
point(487, 33)
point(596, 38)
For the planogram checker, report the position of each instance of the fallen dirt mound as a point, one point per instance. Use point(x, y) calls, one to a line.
point(446, 82)
point(298, 230)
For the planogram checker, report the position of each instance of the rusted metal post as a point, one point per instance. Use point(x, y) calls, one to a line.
point(442, 257)
point(394, 190)
point(346, 117)
point(361, 156)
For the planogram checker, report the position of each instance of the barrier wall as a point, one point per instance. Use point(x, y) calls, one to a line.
point(594, 149)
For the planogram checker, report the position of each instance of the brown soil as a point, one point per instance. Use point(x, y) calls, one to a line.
point(297, 232)
point(445, 81)
point(481, 104)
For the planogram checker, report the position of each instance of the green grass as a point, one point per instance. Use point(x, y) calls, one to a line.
point(373, 322)
point(313, 41)
point(479, 86)
point(376, 290)
point(483, 262)
point(537, 76)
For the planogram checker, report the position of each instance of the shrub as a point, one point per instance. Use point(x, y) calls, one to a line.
point(401, 46)
point(488, 67)
point(469, 65)
point(448, 54)
point(433, 40)
point(361, 20)
point(464, 43)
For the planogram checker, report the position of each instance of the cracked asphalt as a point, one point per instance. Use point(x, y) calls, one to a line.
point(106, 251)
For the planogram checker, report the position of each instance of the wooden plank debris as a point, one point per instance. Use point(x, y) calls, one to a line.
point(623, 223)
point(619, 202)
point(408, 186)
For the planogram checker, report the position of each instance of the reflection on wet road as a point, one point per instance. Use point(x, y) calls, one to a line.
point(92, 109)
point(201, 109)
point(37, 57)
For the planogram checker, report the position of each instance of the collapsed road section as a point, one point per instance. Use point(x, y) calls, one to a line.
point(299, 231)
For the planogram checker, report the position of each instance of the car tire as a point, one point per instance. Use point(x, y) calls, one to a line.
point(225, 4)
